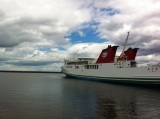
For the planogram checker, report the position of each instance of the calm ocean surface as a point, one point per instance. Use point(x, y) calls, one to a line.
point(51, 96)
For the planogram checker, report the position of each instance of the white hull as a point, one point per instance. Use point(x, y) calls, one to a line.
point(110, 71)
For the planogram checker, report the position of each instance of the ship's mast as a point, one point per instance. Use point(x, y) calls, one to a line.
point(122, 54)
point(75, 54)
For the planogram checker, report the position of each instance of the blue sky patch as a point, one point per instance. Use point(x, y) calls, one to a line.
point(110, 11)
point(85, 36)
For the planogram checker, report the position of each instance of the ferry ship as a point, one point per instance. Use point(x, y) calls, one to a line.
point(111, 68)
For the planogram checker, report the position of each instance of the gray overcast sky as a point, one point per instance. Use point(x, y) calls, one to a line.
point(39, 34)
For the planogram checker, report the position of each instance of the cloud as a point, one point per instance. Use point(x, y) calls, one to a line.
point(33, 33)
point(39, 21)
point(30, 58)
point(28, 26)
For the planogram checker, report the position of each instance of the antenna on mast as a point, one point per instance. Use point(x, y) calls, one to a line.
point(125, 44)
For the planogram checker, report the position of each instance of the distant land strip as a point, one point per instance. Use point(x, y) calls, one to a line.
point(28, 71)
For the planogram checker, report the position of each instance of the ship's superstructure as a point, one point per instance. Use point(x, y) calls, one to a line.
point(109, 67)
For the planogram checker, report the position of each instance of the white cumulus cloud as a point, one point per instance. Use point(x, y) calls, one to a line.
point(33, 32)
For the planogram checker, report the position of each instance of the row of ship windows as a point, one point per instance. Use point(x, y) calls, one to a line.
point(86, 67)
point(77, 63)
point(68, 66)
point(152, 68)
point(91, 66)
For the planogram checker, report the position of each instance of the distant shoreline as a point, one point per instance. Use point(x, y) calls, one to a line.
point(29, 71)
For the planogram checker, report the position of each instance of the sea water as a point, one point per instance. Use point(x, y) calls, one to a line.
point(52, 96)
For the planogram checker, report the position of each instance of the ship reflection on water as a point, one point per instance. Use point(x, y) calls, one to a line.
point(106, 107)
point(109, 109)
point(108, 101)
point(129, 105)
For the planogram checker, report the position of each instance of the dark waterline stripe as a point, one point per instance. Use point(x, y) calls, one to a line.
point(144, 81)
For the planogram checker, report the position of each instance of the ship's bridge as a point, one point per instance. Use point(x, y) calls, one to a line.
point(80, 61)
point(86, 59)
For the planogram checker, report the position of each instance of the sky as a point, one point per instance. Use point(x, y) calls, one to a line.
point(37, 35)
